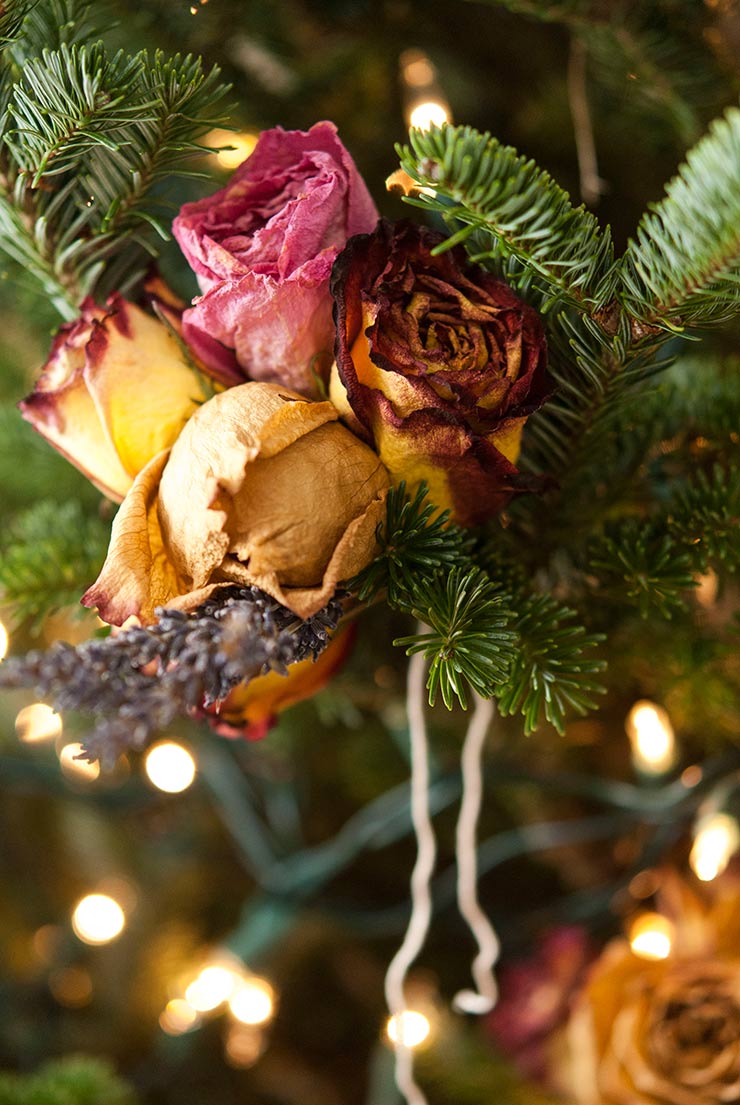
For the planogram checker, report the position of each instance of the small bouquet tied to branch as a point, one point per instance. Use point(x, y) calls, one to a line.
point(228, 478)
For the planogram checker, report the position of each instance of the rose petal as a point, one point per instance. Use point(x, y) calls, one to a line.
point(138, 574)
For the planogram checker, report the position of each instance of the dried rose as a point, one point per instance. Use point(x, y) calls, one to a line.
point(252, 708)
point(262, 488)
point(114, 393)
point(438, 364)
point(535, 998)
point(263, 248)
point(664, 1032)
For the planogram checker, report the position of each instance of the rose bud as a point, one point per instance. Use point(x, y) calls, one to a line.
point(114, 393)
point(261, 488)
point(263, 248)
point(438, 365)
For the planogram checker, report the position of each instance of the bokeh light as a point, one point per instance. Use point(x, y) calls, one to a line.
point(98, 919)
point(253, 1001)
point(37, 722)
point(651, 936)
point(716, 841)
point(212, 987)
point(178, 1016)
point(243, 145)
point(78, 770)
point(429, 113)
point(170, 766)
point(651, 735)
point(409, 1028)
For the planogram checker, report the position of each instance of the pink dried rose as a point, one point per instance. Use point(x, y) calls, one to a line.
point(536, 996)
point(263, 249)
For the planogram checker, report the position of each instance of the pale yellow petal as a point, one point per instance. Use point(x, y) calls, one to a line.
point(143, 389)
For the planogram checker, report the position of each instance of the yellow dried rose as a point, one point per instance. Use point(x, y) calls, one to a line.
point(664, 1032)
point(261, 488)
point(115, 391)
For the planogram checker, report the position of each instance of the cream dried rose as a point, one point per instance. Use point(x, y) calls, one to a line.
point(261, 488)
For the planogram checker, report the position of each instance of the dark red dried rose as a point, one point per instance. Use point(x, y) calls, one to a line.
point(438, 365)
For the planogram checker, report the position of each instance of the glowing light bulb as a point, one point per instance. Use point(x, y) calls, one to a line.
point(98, 919)
point(429, 113)
point(77, 769)
point(37, 722)
point(243, 144)
point(651, 735)
point(170, 767)
point(409, 1028)
point(211, 988)
point(177, 1017)
point(3, 641)
point(253, 1001)
point(717, 839)
point(651, 936)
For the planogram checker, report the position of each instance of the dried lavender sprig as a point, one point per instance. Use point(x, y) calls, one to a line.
point(136, 683)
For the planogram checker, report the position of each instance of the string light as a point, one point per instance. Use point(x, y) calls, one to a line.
point(651, 936)
point(213, 986)
point(37, 722)
point(253, 1001)
point(429, 113)
point(717, 839)
point(4, 641)
point(409, 1029)
point(77, 769)
point(653, 740)
point(425, 102)
point(243, 144)
point(98, 919)
point(170, 767)
point(178, 1017)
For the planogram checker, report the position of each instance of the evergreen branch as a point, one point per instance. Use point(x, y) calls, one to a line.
point(644, 566)
point(67, 103)
point(469, 640)
point(666, 73)
point(89, 142)
point(551, 672)
point(14, 12)
point(48, 557)
point(415, 540)
point(683, 268)
point(72, 1081)
point(516, 210)
point(706, 517)
point(50, 24)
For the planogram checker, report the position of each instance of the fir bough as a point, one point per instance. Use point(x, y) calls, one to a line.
point(90, 147)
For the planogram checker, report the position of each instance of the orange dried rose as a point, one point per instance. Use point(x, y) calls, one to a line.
point(262, 488)
point(664, 1032)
